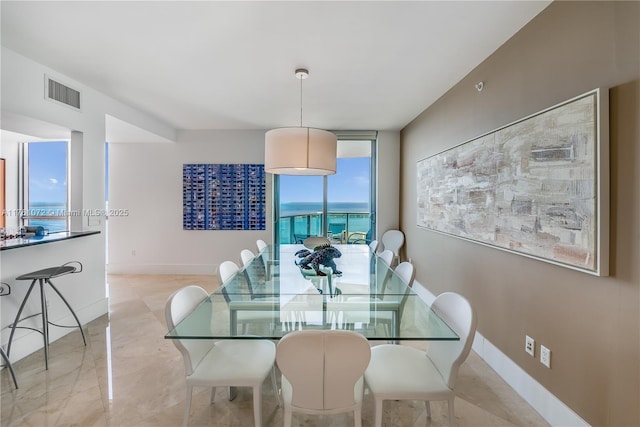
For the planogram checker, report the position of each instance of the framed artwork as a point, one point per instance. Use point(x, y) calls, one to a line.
point(538, 187)
point(223, 197)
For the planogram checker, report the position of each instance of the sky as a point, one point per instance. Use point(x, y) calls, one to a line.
point(349, 184)
point(48, 172)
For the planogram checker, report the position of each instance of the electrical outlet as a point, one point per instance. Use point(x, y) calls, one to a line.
point(530, 345)
point(545, 356)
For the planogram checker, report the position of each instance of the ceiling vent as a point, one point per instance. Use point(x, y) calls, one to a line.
point(56, 91)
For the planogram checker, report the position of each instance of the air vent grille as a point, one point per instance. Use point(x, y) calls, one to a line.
point(61, 93)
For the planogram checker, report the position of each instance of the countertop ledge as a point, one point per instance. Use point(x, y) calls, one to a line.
point(40, 240)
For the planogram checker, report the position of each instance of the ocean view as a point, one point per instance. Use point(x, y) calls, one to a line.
point(303, 208)
point(296, 218)
point(305, 218)
point(49, 209)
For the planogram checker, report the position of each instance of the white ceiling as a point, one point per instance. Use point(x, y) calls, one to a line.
point(374, 65)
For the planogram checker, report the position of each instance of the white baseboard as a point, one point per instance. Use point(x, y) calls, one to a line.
point(552, 409)
point(26, 342)
point(199, 269)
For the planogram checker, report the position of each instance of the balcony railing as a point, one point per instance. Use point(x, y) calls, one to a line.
point(342, 227)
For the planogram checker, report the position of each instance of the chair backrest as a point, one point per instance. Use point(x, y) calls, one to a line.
point(178, 306)
point(447, 356)
point(393, 240)
point(323, 367)
point(254, 268)
point(407, 272)
point(314, 241)
point(387, 256)
point(246, 255)
point(226, 270)
point(261, 244)
point(373, 245)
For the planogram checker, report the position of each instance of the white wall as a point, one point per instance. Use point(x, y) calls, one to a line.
point(25, 110)
point(146, 180)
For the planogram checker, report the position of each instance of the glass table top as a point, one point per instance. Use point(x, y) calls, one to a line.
point(272, 296)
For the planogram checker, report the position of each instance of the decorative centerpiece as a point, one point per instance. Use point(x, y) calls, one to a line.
point(318, 263)
point(321, 255)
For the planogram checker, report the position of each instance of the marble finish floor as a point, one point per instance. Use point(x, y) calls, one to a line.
point(129, 375)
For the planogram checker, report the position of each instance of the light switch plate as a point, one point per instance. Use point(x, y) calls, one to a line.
point(545, 356)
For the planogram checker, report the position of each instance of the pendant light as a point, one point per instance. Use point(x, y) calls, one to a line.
point(300, 150)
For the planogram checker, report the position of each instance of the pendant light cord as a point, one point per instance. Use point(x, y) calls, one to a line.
point(301, 102)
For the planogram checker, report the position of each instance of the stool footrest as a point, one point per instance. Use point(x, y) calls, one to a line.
point(43, 277)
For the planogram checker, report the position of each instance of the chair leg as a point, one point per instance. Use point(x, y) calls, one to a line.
point(232, 392)
point(452, 418)
point(213, 394)
point(287, 415)
point(274, 383)
point(427, 405)
point(14, 325)
point(70, 309)
point(257, 405)
point(187, 405)
point(357, 417)
point(45, 323)
point(8, 362)
point(378, 416)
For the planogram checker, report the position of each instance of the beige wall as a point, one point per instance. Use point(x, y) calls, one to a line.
point(591, 324)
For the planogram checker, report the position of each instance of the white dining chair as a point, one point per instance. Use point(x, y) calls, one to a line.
point(226, 270)
point(399, 372)
point(224, 363)
point(406, 273)
point(387, 256)
point(246, 256)
point(229, 269)
point(255, 273)
point(261, 244)
point(322, 372)
point(373, 245)
point(267, 262)
point(393, 240)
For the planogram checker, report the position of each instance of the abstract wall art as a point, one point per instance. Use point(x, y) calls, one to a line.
point(223, 196)
point(538, 187)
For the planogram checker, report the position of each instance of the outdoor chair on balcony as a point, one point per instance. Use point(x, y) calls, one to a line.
point(358, 237)
point(299, 238)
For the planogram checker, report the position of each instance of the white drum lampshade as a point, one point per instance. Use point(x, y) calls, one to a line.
point(300, 151)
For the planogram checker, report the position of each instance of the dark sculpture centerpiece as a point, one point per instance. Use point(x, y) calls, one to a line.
point(311, 263)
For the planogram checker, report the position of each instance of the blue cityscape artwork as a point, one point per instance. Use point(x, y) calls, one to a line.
point(223, 197)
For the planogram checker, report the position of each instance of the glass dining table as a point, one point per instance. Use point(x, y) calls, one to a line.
point(272, 296)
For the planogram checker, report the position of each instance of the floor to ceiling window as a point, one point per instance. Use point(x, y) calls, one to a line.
point(44, 196)
point(340, 206)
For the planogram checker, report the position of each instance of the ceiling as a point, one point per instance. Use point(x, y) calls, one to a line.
point(230, 65)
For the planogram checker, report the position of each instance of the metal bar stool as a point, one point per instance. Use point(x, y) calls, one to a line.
point(5, 289)
point(43, 277)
